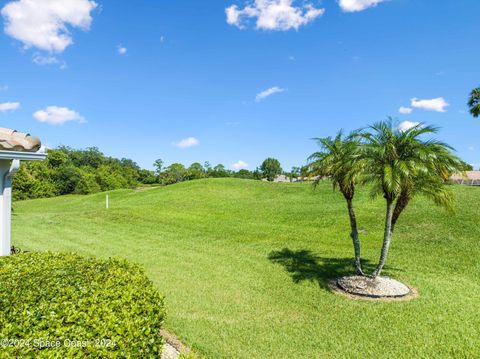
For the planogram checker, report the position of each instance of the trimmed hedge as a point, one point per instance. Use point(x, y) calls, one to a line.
point(56, 305)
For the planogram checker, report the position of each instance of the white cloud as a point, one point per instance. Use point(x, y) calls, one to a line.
point(471, 148)
point(239, 165)
point(277, 15)
point(358, 5)
point(55, 115)
point(435, 104)
point(44, 23)
point(405, 110)
point(122, 50)
point(48, 60)
point(268, 92)
point(45, 60)
point(9, 106)
point(187, 142)
point(406, 125)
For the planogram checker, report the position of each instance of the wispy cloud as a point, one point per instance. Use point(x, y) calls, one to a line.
point(42, 60)
point(405, 110)
point(268, 92)
point(45, 60)
point(358, 5)
point(44, 24)
point(239, 165)
point(122, 50)
point(187, 142)
point(435, 104)
point(275, 15)
point(3, 87)
point(9, 106)
point(55, 115)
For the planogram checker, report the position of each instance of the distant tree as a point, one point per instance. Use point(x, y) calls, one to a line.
point(244, 173)
point(67, 178)
point(195, 171)
point(91, 157)
point(174, 173)
point(158, 164)
point(87, 184)
point(271, 168)
point(57, 158)
point(110, 178)
point(257, 174)
point(207, 166)
point(294, 173)
point(34, 180)
point(219, 171)
point(196, 166)
point(474, 102)
point(67, 170)
point(147, 177)
point(128, 163)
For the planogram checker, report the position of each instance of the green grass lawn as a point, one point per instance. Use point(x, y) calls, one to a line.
point(244, 266)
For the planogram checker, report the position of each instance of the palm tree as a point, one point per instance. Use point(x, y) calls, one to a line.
point(338, 160)
point(442, 164)
point(474, 102)
point(401, 164)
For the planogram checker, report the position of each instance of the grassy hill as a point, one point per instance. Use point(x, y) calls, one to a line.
point(244, 265)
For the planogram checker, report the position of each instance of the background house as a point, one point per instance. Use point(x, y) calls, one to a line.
point(471, 178)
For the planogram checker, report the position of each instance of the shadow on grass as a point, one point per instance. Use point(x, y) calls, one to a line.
point(305, 265)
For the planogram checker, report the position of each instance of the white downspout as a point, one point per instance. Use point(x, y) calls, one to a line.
point(9, 169)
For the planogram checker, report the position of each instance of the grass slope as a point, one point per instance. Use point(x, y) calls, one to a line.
point(244, 265)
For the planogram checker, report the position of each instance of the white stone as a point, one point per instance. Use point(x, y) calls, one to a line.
point(380, 287)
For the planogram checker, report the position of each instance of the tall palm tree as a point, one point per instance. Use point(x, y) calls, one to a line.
point(474, 102)
point(442, 164)
point(338, 161)
point(401, 164)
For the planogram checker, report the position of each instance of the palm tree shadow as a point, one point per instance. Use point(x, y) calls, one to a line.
point(305, 265)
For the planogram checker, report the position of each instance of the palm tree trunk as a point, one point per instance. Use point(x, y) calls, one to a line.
point(387, 236)
point(401, 204)
point(354, 236)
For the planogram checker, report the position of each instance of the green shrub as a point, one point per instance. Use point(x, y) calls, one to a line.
point(87, 184)
point(108, 308)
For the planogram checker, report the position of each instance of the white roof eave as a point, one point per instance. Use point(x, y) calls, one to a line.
point(23, 156)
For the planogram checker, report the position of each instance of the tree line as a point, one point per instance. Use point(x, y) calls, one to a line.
point(72, 171)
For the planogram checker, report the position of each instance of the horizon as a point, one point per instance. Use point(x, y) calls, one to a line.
point(233, 82)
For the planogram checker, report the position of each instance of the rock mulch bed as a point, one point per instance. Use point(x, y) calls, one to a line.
point(370, 288)
point(173, 346)
point(169, 352)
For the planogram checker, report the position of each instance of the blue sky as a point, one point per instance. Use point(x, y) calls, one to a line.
point(135, 78)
